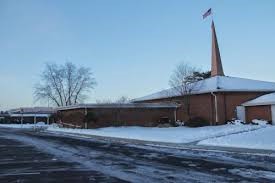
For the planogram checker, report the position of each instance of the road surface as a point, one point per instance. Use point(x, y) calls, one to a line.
point(29, 156)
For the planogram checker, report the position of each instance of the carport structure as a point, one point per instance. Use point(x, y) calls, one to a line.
point(32, 114)
point(262, 107)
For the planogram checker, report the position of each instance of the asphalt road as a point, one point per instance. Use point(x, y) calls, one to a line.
point(28, 156)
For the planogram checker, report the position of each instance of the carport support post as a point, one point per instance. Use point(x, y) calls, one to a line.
point(48, 120)
point(22, 119)
point(34, 120)
point(21, 111)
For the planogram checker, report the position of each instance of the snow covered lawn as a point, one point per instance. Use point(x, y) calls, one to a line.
point(26, 126)
point(172, 134)
point(249, 136)
point(259, 139)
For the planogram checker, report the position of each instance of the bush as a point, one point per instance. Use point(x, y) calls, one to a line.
point(91, 117)
point(164, 125)
point(57, 116)
point(164, 120)
point(196, 122)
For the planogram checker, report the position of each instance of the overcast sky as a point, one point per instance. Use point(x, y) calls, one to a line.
point(132, 46)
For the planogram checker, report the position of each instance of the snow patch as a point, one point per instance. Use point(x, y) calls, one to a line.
point(248, 173)
point(262, 100)
point(215, 84)
point(260, 122)
point(257, 139)
point(170, 135)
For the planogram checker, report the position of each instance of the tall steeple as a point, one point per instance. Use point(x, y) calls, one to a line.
point(216, 66)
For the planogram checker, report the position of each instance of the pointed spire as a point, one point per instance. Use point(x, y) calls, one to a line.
point(216, 67)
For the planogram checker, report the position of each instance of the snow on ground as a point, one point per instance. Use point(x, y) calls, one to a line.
point(259, 139)
point(232, 135)
point(172, 134)
point(248, 173)
point(26, 126)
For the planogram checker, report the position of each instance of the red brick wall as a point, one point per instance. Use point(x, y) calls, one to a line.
point(258, 112)
point(74, 116)
point(233, 99)
point(200, 106)
point(203, 105)
point(118, 116)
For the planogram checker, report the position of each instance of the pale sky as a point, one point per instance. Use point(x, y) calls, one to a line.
point(132, 46)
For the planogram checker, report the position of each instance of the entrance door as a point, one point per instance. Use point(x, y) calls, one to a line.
point(273, 114)
point(241, 113)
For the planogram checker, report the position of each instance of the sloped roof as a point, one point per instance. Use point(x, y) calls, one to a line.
point(33, 110)
point(267, 99)
point(216, 84)
point(30, 115)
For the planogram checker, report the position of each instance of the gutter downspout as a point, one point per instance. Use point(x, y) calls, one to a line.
point(216, 107)
point(175, 114)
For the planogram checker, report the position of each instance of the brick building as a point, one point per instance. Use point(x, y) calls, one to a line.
point(262, 107)
point(129, 114)
point(214, 99)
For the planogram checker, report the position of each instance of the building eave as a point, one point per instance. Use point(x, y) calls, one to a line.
point(258, 104)
point(203, 92)
point(111, 106)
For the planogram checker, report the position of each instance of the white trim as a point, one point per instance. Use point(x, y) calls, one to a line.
point(273, 114)
point(258, 104)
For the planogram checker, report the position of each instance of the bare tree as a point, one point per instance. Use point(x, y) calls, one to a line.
point(64, 85)
point(120, 100)
point(183, 82)
point(104, 101)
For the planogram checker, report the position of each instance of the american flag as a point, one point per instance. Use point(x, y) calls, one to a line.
point(206, 14)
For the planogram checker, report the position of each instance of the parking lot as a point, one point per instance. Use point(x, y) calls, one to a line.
point(24, 163)
point(31, 156)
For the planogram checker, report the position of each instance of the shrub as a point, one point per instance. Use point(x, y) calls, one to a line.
point(91, 117)
point(196, 122)
point(164, 120)
point(57, 116)
point(164, 125)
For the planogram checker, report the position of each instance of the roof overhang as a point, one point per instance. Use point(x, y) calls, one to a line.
point(127, 105)
point(258, 104)
point(214, 84)
point(268, 99)
point(30, 115)
point(203, 92)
